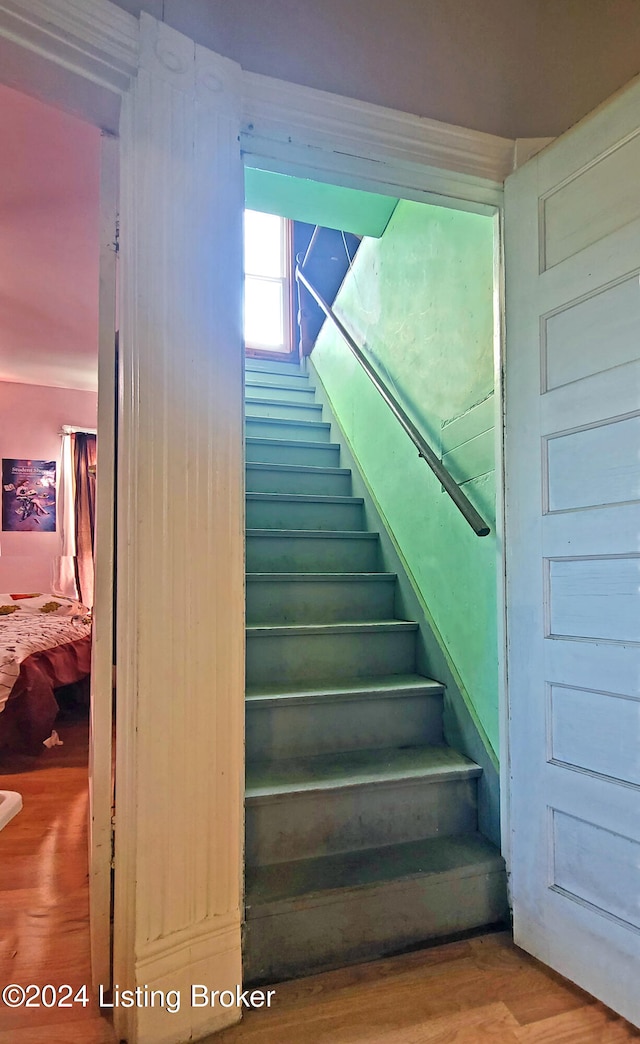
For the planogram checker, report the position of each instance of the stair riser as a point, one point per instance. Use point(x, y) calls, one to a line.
point(292, 658)
point(315, 601)
point(320, 485)
point(266, 554)
point(304, 395)
point(322, 727)
point(265, 428)
point(305, 825)
point(262, 366)
point(283, 411)
point(311, 937)
point(273, 452)
point(290, 514)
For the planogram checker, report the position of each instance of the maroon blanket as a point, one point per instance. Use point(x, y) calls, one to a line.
point(32, 708)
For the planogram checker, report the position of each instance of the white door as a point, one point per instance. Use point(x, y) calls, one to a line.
point(573, 542)
point(100, 749)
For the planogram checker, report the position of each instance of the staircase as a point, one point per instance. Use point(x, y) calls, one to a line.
point(361, 824)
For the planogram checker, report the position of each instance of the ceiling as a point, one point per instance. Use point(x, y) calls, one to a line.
point(49, 245)
point(518, 68)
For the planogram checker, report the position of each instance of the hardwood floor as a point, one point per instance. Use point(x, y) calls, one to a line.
point(44, 895)
point(469, 992)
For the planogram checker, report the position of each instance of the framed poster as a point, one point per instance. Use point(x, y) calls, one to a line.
point(28, 496)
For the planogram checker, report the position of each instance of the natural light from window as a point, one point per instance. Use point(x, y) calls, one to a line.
point(266, 282)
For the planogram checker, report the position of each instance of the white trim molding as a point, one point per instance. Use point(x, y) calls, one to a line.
point(77, 55)
point(526, 148)
point(206, 954)
point(316, 134)
point(94, 38)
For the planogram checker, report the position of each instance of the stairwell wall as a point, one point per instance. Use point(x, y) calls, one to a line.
point(420, 301)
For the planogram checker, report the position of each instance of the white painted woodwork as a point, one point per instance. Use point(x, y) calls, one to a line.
point(596, 465)
point(592, 598)
point(597, 867)
point(310, 133)
point(573, 571)
point(77, 54)
point(591, 335)
point(526, 148)
point(100, 747)
point(603, 190)
point(595, 732)
point(587, 402)
point(584, 664)
point(179, 765)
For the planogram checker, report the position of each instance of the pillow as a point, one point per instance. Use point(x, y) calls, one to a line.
point(52, 605)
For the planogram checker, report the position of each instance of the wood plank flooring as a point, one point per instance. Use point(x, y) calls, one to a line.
point(471, 992)
point(468, 992)
point(44, 893)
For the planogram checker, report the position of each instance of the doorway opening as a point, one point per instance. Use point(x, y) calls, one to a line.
point(50, 264)
point(340, 515)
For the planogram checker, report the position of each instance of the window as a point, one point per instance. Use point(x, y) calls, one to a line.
point(267, 309)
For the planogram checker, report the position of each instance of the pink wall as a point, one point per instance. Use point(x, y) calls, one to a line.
point(31, 418)
point(50, 245)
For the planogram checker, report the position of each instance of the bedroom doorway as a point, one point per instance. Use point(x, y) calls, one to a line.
point(58, 347)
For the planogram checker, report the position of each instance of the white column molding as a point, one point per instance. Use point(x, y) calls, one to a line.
point(316, 134)
point(179, 764)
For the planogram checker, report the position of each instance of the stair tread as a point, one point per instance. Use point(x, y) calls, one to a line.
point(317, 406)
point(306, 534)
point(320, 577)
point(305, 498)
point(279, 367)
point(355, 768)
point(349, 627)
point(288, 422)
point(289, 469)
point(256, 440)
point(380, 685)
point(460, 855)
point(251, 382)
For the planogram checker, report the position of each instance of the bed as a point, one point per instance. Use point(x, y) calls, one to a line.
point(45, 643)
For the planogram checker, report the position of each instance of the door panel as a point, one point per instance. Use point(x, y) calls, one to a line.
point(572, 451)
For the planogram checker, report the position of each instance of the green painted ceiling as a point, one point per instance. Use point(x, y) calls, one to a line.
point(346, 209)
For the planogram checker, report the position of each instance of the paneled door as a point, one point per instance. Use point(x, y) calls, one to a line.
point(573, 551)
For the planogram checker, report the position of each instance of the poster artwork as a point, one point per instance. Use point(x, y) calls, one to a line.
point(28, 496)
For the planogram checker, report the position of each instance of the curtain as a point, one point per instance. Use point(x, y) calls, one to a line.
point(64, 570)
point(73, 568)
point(84, 458)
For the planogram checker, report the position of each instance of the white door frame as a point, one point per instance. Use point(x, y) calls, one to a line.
point(101, 794)
point(51, 48)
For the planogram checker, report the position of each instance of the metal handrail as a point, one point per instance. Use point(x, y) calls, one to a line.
point(459, 498)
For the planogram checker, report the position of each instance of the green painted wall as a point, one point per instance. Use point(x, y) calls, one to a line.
point(420, 300)
point(332, 206)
